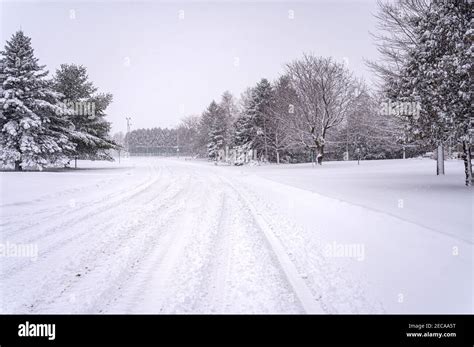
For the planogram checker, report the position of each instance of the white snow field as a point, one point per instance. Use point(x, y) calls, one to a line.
point(156, 235)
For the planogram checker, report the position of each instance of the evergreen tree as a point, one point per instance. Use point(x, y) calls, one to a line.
point(205, 125)
point(251, 127)
point(35, 131)
point(216, 140)
point(217, 130)
point(242, 127)
point(260, 111)
point(243, 131)
point(91, 134)
point(437, 76)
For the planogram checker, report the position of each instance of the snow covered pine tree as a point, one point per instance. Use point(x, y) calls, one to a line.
point(260, 111)
point(91, 130)
point(242, 138)
point(217, 131)
point(251, 127)
point(437, 75)
point(34, 132)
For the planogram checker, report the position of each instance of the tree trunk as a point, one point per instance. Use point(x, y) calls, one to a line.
point(440, 160)
point(265, 139)
point(278, 156)
point(467, 162)
point(18, 166)
point(320, 155)
point(75, 162)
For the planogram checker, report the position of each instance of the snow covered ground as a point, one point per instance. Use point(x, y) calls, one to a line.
point(171, 235)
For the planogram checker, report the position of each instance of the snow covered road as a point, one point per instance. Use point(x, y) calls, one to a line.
point(172, 236)
point(173, 240)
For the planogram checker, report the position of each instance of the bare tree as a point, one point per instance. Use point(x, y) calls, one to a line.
point(188, 131)
point(326, 91)
point(229, 113)
point(396, 36)
point(279, 134)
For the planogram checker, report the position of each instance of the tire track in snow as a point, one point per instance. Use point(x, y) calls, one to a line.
point(243, 276)
point(215, 298)
point(338, 291)
point(144, 290)
point(221, 264)
point(116, 197)
point(59, 194)
point(52, 239)
point(140, 239)
point(301, 289)
point(199, 264)
point(79, 253)
point(192, 268)
point(76, 233)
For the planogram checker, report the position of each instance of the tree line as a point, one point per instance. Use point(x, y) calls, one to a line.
point(48, 121)
point(316, 105)
point(317, 109)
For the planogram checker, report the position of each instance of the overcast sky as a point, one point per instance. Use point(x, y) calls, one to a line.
point(160, 66)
